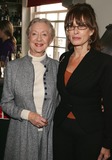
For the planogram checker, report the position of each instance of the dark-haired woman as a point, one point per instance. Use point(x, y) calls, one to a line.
point(81, 130)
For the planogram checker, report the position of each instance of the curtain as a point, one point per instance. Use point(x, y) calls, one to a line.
point(31, 3)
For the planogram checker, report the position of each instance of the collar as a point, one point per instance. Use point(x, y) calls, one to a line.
point(37, 59)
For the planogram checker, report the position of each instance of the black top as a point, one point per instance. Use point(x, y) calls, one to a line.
point(89, 83)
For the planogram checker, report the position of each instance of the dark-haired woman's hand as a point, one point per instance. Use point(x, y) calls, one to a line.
point(104, 154)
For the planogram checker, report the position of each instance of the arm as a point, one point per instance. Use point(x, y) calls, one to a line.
point(9, 104)
point(7, 101)
point(106, 86)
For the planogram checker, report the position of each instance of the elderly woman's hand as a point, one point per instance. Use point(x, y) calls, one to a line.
point(37, 120)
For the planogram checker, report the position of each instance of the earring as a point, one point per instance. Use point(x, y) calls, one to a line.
point(90, 41)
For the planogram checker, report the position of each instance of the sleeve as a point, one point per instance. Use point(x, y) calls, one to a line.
point(8, 98)
point(107, 102)
point(24, 114)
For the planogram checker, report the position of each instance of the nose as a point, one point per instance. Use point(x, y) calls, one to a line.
point(76, 29)
point(39, 37)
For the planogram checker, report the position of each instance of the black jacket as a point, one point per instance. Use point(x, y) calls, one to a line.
point(89, 83)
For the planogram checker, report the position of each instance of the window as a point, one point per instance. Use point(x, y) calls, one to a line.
point(56, 14)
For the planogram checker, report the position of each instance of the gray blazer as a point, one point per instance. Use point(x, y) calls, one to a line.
point(23, 140)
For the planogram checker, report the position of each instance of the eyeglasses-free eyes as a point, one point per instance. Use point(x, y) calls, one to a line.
point(70, 27)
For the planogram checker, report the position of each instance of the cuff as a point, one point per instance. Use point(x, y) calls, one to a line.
point(24, 114)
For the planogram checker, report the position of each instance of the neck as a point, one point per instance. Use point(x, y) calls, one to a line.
point(80, 52)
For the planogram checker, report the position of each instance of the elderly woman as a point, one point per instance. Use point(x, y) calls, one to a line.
point(30, 97)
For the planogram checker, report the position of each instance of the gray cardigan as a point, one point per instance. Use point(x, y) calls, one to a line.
point(23, 140)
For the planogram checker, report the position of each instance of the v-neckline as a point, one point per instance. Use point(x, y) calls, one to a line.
point(84, 63)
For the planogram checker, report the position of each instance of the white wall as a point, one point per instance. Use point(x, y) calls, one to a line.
point(103, 9)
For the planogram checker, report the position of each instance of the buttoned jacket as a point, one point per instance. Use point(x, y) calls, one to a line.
point(23, 140)
point(89, 83)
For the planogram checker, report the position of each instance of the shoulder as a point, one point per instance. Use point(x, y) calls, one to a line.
point(103, 59)
point(53, 61)
point(8, 42)
point(101, 55)
point(19, 62)
point(62, 56)
point(65, 55)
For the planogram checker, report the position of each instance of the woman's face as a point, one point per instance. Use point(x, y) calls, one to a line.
point(79, 36)
point(39, 38)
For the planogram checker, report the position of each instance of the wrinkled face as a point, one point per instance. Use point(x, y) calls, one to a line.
point(39, 38)
point(79, 34)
